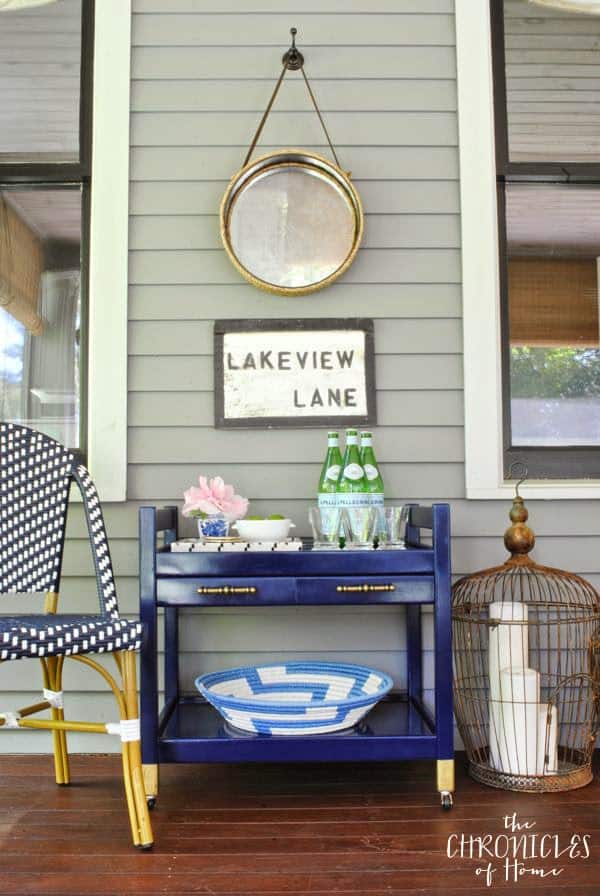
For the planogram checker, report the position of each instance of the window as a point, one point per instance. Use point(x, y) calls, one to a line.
point(45, 168)
point(64, 126)
point(530, 215)
point(547, 126)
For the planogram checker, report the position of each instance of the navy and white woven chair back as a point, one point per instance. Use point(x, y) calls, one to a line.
point(35, 477)
point(36, 473)
point(105, 579)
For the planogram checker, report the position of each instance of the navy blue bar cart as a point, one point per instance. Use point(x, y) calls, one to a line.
point(187, 729)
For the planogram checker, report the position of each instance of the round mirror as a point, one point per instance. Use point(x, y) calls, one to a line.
point(291, 222)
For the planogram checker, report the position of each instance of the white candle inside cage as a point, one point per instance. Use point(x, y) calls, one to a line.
point(497, 737)
point(508, 644)
point(517, 721)
point(547, 763)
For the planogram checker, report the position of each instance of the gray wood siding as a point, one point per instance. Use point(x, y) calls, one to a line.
point(384, 73)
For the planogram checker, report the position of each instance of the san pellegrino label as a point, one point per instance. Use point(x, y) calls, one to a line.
point(354, 472)
point(329, 507)
point(328, 501)
point(352, 481)
point(353, 499)
point(327, 489)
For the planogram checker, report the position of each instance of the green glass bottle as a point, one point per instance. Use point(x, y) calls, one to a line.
point(374, 487)
point(327, 490)
point(352, 485)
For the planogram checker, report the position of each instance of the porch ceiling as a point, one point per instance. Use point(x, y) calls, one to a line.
point(39, 80)
point(553, 220)
point(54, 215)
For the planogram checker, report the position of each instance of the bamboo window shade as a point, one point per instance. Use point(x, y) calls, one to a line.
point(21, 266)
point(553, 302)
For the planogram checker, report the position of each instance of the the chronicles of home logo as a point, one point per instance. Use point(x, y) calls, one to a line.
point(520, 854)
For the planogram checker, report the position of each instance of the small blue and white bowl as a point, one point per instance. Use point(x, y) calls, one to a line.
point(294, 698)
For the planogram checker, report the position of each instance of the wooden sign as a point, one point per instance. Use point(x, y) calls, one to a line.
point(294, 373)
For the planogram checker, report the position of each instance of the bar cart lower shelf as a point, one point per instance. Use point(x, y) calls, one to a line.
point(191, 730)
point(400, 727)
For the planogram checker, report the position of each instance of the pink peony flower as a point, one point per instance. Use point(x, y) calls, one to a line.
point(214, 496)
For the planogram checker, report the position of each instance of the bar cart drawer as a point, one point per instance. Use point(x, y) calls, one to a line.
point(234, 591)
point(388, 589)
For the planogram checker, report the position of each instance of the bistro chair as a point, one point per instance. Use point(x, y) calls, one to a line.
point(35, 479)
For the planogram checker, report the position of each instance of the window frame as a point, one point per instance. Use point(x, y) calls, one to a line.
point(544, 461)
point(109, 248)
point(483, 310)
point(104, 159)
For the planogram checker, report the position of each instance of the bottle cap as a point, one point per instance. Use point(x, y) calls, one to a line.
point(351, 432)
point(365, 434)
point(332, 434)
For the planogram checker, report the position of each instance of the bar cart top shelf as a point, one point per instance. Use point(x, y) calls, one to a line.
point(416, 558)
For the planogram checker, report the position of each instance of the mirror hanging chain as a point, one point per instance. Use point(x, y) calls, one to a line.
point(293, 60)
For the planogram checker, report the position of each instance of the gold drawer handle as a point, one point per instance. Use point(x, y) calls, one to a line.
point(365, 587)
point(228, 589)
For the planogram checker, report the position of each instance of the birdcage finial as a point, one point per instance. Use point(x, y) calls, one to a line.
point(519, 539)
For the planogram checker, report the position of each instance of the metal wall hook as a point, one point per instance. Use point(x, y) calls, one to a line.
point(524, 474)
point(292, 61)
point(293, 58)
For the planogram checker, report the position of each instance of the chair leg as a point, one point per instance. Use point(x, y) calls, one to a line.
point(132, 755)
point(61, 755)
point(52, 677)
point(52, 668)
point(127, 701)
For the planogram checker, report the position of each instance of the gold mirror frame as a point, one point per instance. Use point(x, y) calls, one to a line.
point(291, 158)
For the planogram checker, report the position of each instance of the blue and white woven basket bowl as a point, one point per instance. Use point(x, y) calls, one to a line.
point(294, 698)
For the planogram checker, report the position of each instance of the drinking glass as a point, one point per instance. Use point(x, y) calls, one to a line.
point(360, 526)
point(325, 523)
point(396, 518)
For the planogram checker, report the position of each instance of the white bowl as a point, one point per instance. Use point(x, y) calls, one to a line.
point(263, 530)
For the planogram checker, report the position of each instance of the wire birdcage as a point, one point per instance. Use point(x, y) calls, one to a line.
point(526, 669)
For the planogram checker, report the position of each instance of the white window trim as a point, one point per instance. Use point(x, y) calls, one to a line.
point(107, 288)
point(480, 271)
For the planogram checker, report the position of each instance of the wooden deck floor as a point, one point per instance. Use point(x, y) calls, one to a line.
point(335, 829)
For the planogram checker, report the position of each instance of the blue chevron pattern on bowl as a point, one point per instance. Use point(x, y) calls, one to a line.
point(296, 698)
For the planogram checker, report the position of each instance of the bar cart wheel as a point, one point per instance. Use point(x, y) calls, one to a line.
point(151, 801)
point(446, 800)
